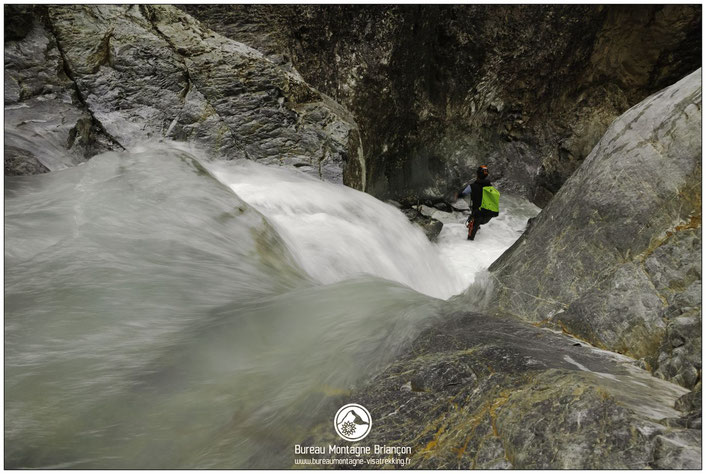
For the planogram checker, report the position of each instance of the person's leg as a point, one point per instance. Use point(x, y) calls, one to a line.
point(478, 220)
point(471, 228)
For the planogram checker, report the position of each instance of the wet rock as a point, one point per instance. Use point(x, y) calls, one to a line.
point(679, 356)
point(277, 116)
point(677, 452)
point(439, 89)
point(431, 228)
point(443, 206)
point(18, 21)
point(623, 313)
point(441, 216)
point(426, 210)
point(429, 225)
point(153, 72)
point(485, 393)
point(691, 405)
point(614, 259)
point(22, 162)
point(460, 205)
point(47, 127)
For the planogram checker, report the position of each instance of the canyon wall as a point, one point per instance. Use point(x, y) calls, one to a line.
point(438, 90)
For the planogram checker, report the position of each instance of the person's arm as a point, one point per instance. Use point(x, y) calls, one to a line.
point(476, 195)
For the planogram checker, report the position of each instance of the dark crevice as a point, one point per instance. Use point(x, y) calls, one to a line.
point(102, 53)
point(187, 88)
point(67, 71)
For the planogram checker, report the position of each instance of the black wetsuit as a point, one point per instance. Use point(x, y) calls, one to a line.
point(477, 217)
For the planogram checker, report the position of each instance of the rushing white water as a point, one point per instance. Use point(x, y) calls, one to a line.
point(336, 232)
point(155, 318)
point(468, 258)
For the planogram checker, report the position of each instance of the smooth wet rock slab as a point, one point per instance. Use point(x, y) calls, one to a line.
point(615, 258)
point(488, 393)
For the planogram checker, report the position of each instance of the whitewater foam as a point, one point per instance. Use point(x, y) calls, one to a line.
point(469, 258)
point(337, 233)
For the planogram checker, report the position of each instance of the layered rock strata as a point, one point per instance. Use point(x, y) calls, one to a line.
point(132, 73)
point(438, 89)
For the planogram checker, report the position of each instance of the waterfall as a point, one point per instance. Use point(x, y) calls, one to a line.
point(164, 312)
point(336, 232)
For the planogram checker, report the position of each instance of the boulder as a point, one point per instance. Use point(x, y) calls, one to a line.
point(436, 214)
point(461, 205)
point(614, 259)
point(479, 392)
point(432, 227)
point(422, 216)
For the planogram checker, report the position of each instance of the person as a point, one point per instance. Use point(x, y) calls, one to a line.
point(475, 189)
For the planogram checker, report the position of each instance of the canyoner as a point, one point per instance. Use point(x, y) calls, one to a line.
point(485, 201)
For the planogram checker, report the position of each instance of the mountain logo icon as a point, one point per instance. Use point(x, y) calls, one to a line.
point(352, 422)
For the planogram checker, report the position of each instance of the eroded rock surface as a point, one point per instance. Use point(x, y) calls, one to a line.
point(153, 72)
point(615, 257)
point(489, 393)
point(47, 126)
point(438, 89)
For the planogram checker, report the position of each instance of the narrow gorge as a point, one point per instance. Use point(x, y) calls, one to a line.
point(223, 223)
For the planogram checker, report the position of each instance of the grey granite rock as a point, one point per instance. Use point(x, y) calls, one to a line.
point(47, 127)
point(615, 257)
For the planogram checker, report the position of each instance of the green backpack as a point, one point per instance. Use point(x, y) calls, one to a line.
point(491, 201)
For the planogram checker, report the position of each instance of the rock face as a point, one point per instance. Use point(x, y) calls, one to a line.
point(47, 126)
point(152, 72)
point(437, 90)
point(490, 393)
point(613, 259)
